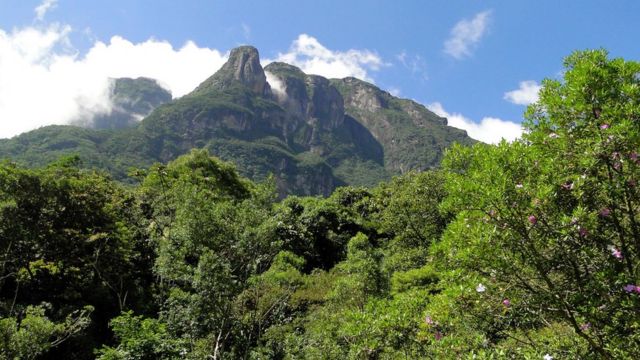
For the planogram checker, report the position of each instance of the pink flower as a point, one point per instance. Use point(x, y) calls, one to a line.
point(585, 326)
point(506, 302)
point(604, 126)
point(428, 320)
point(438, 335)
point(568, 185)
point(533, 219)
point(605, 212)
point(633, 156)
point(615, 252)
point(553, 135)
point(631, 288)
point(583, 232)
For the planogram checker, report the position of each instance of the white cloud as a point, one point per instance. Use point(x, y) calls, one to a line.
point(490, 130)
point(46, 81)
point(178, 70)
point(42, 9)
point(246, 31)
point(307, 53)
point(278, 87)
point(415, 64)
point(525, 95)
point(466, 35)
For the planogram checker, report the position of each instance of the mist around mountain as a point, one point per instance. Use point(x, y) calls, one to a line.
point(131, 101)
point(311, 133)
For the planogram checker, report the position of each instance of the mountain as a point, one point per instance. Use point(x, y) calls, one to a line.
point(412, 136)
point(131, 101)
point(312, 133)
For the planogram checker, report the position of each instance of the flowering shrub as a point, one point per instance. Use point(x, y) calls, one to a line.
point(552, 219)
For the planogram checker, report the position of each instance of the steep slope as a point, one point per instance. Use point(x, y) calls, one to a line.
point(413, 137)
point(311, 133)
point(236, 117)
point(315, 104)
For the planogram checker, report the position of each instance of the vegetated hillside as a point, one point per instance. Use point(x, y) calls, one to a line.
point(131, 101)
point(522, 250)
point(412, 136)
point(312, 134)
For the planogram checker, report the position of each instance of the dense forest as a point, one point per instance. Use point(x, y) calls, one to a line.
point(525, 250)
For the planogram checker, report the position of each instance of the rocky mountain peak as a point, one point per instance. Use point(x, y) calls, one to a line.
point(242, 67)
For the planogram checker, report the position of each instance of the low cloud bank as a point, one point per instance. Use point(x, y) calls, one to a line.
point(490, 130)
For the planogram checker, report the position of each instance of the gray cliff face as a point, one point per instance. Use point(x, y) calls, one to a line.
point(243, 67)
point(311, 102)
point(326, 107)
point(295, 99)
point(310, 97)
point(368, 98)
point(364, 95)
point(413, 137)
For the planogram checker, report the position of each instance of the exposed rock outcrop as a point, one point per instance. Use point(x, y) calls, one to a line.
point(243, 67)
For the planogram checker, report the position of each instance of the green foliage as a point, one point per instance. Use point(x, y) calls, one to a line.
point(360, 273)
point(212, 234)
point(410, 213)
point(551, 220)
point(141, 338)
point(35, 334)
point(69, 238)
point(424, 278)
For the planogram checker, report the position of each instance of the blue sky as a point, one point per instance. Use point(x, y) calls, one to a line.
point(460, 58)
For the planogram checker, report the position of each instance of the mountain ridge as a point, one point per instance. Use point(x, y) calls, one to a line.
point(313, 135)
